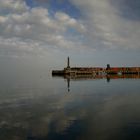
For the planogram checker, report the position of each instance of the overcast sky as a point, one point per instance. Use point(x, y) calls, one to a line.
point(91, 32)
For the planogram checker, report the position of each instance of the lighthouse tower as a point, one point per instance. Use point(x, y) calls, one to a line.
point(68, 62)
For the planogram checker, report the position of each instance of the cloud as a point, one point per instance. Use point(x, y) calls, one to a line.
point(20, 23)
point(15, 47)
point(14, 6)
point(107, 28)
point(103, 25)
point(65, 20)
point(127, 8)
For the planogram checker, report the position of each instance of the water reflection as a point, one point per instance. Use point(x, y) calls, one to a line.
point(94, 109)
point(95, 77)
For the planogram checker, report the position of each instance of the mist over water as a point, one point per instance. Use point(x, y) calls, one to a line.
point(36, 106)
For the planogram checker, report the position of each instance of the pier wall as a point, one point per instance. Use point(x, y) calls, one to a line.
point(97, 71)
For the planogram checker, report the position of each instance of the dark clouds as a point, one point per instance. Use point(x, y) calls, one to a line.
point(112, 24)
point(129, 9)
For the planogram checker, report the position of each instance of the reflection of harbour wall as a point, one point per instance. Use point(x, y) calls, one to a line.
point(110, 76)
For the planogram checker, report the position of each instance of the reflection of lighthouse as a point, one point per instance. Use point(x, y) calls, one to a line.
point(68, 83)
point(68, 63)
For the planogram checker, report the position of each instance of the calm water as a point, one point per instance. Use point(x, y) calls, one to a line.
point(41, 107)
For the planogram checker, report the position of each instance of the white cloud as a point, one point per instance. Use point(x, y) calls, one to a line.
point(15, 47)
point(66, 20)
point(21, 24)
point(101, 27)
point(13, 6)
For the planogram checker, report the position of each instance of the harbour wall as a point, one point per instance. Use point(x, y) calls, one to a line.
point(97, 71)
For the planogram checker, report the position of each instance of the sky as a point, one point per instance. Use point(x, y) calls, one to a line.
point(91, 32)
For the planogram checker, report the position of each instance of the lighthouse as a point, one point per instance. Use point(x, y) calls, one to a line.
point(68, 62)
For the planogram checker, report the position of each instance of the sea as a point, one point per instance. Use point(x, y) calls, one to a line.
point(39, 106)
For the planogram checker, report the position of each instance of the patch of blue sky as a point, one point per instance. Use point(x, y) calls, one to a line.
point(74, 35)
point(31, 3)
point(71, 32)
point(57, 5)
